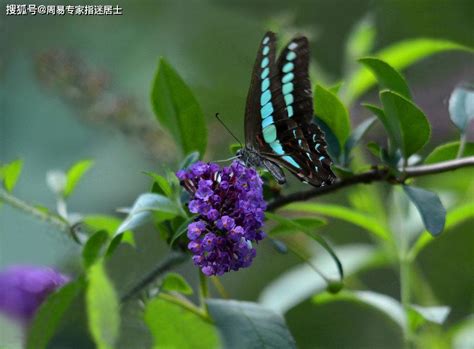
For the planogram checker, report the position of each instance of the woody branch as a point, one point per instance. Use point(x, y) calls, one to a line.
point(373, 175)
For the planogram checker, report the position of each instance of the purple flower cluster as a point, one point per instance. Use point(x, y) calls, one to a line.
point(24, 288)
point(230, 207)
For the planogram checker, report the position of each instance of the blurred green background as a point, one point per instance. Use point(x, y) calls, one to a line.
point(78, 87)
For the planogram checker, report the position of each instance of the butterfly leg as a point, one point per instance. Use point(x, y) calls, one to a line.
point(275, 170)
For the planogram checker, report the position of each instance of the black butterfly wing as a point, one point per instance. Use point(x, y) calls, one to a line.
point(264, 100)
point(266, 116)
point(305, 155)
point(304, 142)
point(279, 113)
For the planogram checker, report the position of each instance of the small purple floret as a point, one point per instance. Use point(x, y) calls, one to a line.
point(230, 207)
point(24, 288)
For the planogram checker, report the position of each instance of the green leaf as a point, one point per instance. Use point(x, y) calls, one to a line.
point(330, 109)
point(48, 317)
point(463, 333)
point(143, 209)
point(162, 183)
point(349, 215)
point(10, 174)
point(174, 282)
point(413, 128)
point(94, 247)
point(361, 40)
point(461, 106)
point(390, 307)
point(387, 76)
point(177, 109)
point(74, 174)
point(174, 327)
point(181, 230)
point(249, 325)
point(102, 222)
point(391, 125)
point(289, 226)
point(374, 149)
point(306, 226)
point(116, 240)
point(399, 55)
point(281, 294)
point(430, 208)
point(356, 136)
point(383, 303)
point(190, 159)
point(448, 151)
point(109, 224)
point(102, 308)
point(415, 319)
point(454, 217)
point(336, 87)
point(309, 223)
point(435, 314)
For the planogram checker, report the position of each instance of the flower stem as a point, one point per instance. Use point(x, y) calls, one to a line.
point(404, 264)
point(405, 298)
point(185, 304)
point(21, 205)
point(420, 288)
point(203, 291)
point(462, 145)
point(220, 287)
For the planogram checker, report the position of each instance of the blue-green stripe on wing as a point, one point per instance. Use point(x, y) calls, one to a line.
point(303, 141)
point(279, 113)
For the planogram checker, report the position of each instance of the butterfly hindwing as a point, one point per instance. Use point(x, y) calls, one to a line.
point(279, 116)
point(314, 165)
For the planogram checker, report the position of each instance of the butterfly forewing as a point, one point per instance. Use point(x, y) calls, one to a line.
point(279, 115)
point(293, 65)
point(265, 105)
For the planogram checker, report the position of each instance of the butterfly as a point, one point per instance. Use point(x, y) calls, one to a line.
point(279, 122)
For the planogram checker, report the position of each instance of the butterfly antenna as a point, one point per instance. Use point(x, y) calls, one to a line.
point(228, 130)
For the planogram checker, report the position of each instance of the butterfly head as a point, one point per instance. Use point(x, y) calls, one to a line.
point(249, 157)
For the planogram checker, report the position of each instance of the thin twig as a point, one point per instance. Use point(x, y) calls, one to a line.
point(373, 175)
point(19, 204)
point(462, 145)
point(440, 167)
point(168, 263)
point(203, 291)
point(220, 287)
point(172, 260)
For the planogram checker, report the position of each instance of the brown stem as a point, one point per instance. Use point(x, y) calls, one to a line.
point(373, 175)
